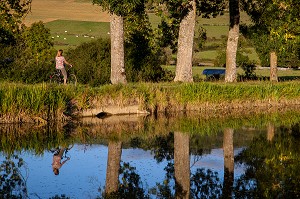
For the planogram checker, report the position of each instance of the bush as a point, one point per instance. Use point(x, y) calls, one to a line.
point(243, 61)
point(142, 63)
point(91, 62)
point(30, 59)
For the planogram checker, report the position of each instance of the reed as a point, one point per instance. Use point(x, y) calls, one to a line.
point(49, 102)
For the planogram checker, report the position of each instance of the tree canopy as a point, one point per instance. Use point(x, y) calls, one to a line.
point(276, 26)
point(11, 13)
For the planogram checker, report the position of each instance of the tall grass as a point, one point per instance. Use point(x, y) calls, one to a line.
point(20, 100)
point(49, 101)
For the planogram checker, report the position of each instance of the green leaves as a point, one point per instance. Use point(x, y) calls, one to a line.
point(122, 8)
point(11, 13)
point(276, 27)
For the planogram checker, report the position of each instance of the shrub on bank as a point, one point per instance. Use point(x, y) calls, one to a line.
point(91, 62)
point(31, 58)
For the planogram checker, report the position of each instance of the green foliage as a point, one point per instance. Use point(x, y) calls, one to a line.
point(200, 38)
point(142, 56)
point(242, 60)
point(120, 8)
point(91, 62)
point(276, 28)
point(12, 183)
point(142, 64)
point(131, 185)
point(11, 13)
point(38, 42)
point(31, 58)
point(274, 172)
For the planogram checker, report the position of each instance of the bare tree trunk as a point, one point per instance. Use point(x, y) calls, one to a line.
point(185, 46)
point(117, 50)
point(182, 164)
point(273, 67)
point(232, 42)
point(113, 167)
point(228, 163)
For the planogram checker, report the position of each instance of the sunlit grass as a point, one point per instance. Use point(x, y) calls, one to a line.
point(50, 102)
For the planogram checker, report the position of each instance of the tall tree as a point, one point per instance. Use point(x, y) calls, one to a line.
point(275, 32)
point(178, 24)
point(11, 14)
point(117, 50)
point(232, 42)
point(185, 46)
point(117, 10)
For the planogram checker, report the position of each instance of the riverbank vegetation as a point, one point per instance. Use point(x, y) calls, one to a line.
point(48, 102)
point(151, 35)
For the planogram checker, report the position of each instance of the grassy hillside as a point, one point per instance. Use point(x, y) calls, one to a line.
point(67, 33)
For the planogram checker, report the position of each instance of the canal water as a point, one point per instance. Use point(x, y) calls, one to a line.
point(188, 155)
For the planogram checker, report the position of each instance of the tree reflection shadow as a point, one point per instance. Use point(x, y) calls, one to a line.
point(12, 182)
point(272, 166)
point(272, 161)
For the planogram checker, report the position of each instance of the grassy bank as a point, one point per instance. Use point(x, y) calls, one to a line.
point(45, 102)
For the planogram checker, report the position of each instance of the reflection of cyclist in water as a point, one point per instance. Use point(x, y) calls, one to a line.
point(58, 156)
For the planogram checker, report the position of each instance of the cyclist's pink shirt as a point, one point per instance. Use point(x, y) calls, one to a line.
point(60, 62)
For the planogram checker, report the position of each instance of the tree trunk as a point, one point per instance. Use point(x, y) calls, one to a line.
point(113, 167)
point(185, 47)
point(182, 165)
point(273, 67)
point(228, 163)
point(117, 50)
point(232, 42)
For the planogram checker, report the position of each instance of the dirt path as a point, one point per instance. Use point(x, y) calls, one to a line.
point(50, 10)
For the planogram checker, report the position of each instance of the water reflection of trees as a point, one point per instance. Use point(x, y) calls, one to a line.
point(12, 182)
point(273, 166)
point(273, 172)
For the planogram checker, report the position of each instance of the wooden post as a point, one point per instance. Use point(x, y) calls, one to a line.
point(273, 67)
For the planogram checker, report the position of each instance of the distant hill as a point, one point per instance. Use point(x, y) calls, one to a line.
point(78, 10)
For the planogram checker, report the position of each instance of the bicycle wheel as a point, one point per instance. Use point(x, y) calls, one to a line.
point(72, 79)
point(55, 79)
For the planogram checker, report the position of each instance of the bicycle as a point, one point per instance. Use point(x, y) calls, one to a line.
point(57, 77)
point(65, 151)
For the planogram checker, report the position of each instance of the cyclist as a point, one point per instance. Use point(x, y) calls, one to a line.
point(60, 64)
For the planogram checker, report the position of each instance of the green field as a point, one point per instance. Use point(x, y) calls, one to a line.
point(68, 34)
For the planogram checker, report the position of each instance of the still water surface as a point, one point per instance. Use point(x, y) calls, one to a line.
point(184, 156)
